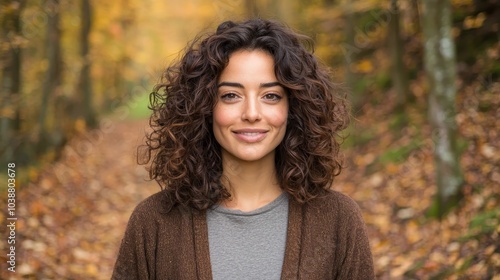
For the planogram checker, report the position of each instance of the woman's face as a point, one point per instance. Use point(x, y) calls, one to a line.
point(250, 117)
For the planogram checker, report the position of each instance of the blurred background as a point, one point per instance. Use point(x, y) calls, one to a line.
point(421, 155)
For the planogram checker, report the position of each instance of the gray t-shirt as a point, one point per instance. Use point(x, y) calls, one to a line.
point(248, 245)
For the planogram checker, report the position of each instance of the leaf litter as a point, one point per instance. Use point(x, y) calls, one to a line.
point(73, 213)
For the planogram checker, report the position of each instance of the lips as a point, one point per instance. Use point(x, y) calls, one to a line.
point(250, 135)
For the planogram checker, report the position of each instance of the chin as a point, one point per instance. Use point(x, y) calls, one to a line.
point(251, 156)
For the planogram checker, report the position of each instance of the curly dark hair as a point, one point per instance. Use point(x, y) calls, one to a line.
point(184, 156)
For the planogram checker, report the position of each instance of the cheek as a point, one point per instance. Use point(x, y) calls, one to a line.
point(221, 117)
point(279, 117)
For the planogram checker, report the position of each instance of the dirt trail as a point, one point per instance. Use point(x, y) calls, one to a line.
point(73, 216)
point(71, 220)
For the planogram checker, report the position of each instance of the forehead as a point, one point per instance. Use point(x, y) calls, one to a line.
point(249, 65)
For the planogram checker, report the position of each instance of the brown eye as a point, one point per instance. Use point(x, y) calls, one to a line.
point(272, 97)
point(229, 96)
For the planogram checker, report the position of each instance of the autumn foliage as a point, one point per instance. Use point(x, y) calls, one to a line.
point(77, 185)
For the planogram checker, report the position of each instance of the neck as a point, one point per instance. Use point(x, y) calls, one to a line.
point(251, 184)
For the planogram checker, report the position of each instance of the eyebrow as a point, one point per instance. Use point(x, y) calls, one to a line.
point(238, 85)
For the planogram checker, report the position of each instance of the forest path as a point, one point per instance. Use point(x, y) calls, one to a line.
point(72, 215)
point(72, 218)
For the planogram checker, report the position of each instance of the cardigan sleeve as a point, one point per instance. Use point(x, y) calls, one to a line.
point(357, 262)
point(134, 260)
point(334, 243)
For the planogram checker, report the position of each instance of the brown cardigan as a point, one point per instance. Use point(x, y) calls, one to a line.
point(326, 239)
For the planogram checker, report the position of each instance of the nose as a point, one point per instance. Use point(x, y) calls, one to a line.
point(251, 110)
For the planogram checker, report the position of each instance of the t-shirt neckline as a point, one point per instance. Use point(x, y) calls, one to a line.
point(266, 208)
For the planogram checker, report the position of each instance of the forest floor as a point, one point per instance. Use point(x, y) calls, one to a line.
point(73, 213)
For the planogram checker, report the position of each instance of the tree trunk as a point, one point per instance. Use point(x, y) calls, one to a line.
point(441, 72)
point(85, 85)
point(350, 55)
point(395, 47)
point(10, 92)
point(415, 16)
point(53, 77)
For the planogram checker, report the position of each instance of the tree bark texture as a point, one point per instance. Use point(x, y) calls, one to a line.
point(53, 77)
point(440, 68)
point(85, 81)
point(10, 92)
point(395, 46)
point(350, 55)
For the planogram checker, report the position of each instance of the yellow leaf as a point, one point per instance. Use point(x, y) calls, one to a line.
point(33, 173)
point(363, 66)
point(7, 112)
point(80, 126)
point(471, 22)
point(91, 270)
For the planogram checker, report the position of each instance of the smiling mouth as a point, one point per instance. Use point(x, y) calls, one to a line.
point(250, 136)
point(249, 133)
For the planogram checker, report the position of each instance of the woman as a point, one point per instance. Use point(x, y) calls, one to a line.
point(244, 145)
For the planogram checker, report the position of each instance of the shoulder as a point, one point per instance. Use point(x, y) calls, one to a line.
point(153, 236)
point(155, 203)
point(334, 201)
point(156, 208)
point(334, 207)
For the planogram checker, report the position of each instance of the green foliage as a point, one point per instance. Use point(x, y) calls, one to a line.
point(23, 176)
point(398, 121)
point(440, 209)
point(383, 81)
point(410, 274)
point(494, 69)
point(360, 88)
point(442, 274)
point(399, 154)
point(369, 20)
point(484, 223)
point(467, 263)
point(433, 211)
point(129, 40)
point(139, 107)
point(462, 145)
point(355, 137)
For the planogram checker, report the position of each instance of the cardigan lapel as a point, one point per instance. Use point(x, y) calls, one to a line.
point(202, 261)
point(290, 268)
